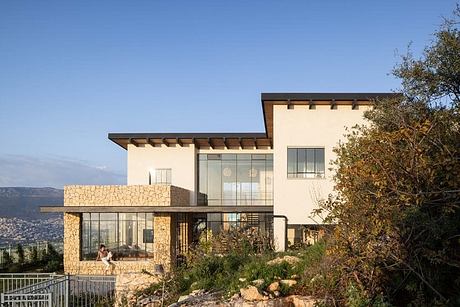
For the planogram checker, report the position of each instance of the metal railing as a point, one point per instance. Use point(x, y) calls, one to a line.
point(64, 291)
point(12, 281)
point(20, 299)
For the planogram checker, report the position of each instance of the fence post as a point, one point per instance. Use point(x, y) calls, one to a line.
point(50, 301)
point(2, 298)
point(67, 290)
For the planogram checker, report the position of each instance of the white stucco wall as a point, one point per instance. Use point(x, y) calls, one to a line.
point(181, 161)
point(295, 198)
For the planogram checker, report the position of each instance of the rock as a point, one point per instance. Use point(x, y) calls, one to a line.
point(287, 258)
point(274, 286)
point(295, 276)
point(258, 282)
point(242, 279)
point(276, 293)
point(251, 294)
point(197, 292)
point(288, 282)
point(183, 298)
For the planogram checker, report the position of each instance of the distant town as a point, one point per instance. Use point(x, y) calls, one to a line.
point(16, 230)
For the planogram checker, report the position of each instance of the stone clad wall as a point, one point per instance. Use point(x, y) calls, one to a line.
point(125, 195)
point(148, 195)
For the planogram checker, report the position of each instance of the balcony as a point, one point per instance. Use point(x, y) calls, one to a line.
point(157, 195)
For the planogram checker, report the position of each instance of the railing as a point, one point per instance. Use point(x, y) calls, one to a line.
point(20, 299)
point(64, 291)
point(12, 281)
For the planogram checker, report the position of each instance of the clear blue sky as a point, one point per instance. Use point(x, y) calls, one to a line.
point(72, 72)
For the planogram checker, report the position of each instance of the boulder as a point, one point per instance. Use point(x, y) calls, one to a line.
point(251, 294)
point(274, 286)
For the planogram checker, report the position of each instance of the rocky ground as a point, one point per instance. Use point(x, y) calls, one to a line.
point(130, 287)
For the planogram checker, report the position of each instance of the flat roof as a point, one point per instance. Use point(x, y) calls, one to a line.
point(324, 96)
point(200, 140)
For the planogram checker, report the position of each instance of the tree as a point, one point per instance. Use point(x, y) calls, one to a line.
point(34, 255)
point(20, 252)
point(398, 187)
point(6, 258)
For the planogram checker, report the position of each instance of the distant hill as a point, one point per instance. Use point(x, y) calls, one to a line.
point(24, 203)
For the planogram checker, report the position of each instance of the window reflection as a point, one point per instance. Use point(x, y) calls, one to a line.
point(235, 179)
point(128, 235)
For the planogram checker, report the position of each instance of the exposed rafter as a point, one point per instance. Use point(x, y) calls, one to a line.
point(211, 143)
point(333, 104)
point(354, 104)
point(134, 142)
point(150, 141)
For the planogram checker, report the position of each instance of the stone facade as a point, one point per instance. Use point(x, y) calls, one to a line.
point(125, 195)
point(163, 223)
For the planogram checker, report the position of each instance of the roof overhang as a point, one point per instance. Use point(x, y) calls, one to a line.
point(200, 140)
point(157, 209)
point(353, 99)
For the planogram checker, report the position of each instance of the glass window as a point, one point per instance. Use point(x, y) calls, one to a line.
point(160, 176)
point(235, 179)
point(305, 162)
point(128, 235)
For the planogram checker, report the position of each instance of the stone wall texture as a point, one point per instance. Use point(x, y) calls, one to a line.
point(148, 195)
point(125, 195)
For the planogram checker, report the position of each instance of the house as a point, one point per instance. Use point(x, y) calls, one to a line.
point(182, 184)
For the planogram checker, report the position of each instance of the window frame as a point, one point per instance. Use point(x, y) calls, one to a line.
point(166, 172)
point(85, 250)
point(316, 174)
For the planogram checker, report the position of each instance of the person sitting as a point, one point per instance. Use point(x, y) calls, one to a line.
point(105, 256)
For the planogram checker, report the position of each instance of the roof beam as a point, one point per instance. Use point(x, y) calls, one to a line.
point(354, 104)
point(226, 143)
point(311, 104)
point(255, 143)
point(134, 142)
point(179, 141)
point(333, 104)
point(211, 143)
point(163, 140)
point(150, 141)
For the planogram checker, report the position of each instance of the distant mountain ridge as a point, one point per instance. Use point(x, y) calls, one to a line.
point(25, 202)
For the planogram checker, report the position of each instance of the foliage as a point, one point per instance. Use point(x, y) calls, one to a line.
point(7, 260)
point(20, 253)
point(34, 254)
point(47, 260)
point(231, 260)
point(398, 179)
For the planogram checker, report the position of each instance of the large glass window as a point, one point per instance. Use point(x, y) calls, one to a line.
point(305, 163)
point(217, 222)
point(235, 179)
point(128, 235)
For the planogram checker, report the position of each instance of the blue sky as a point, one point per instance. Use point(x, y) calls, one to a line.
point(70, 72)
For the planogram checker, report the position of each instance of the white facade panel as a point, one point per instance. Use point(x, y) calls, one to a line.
point(181, 161)
point(302, 127)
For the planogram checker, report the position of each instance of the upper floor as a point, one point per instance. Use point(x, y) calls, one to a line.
point(293, 154)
